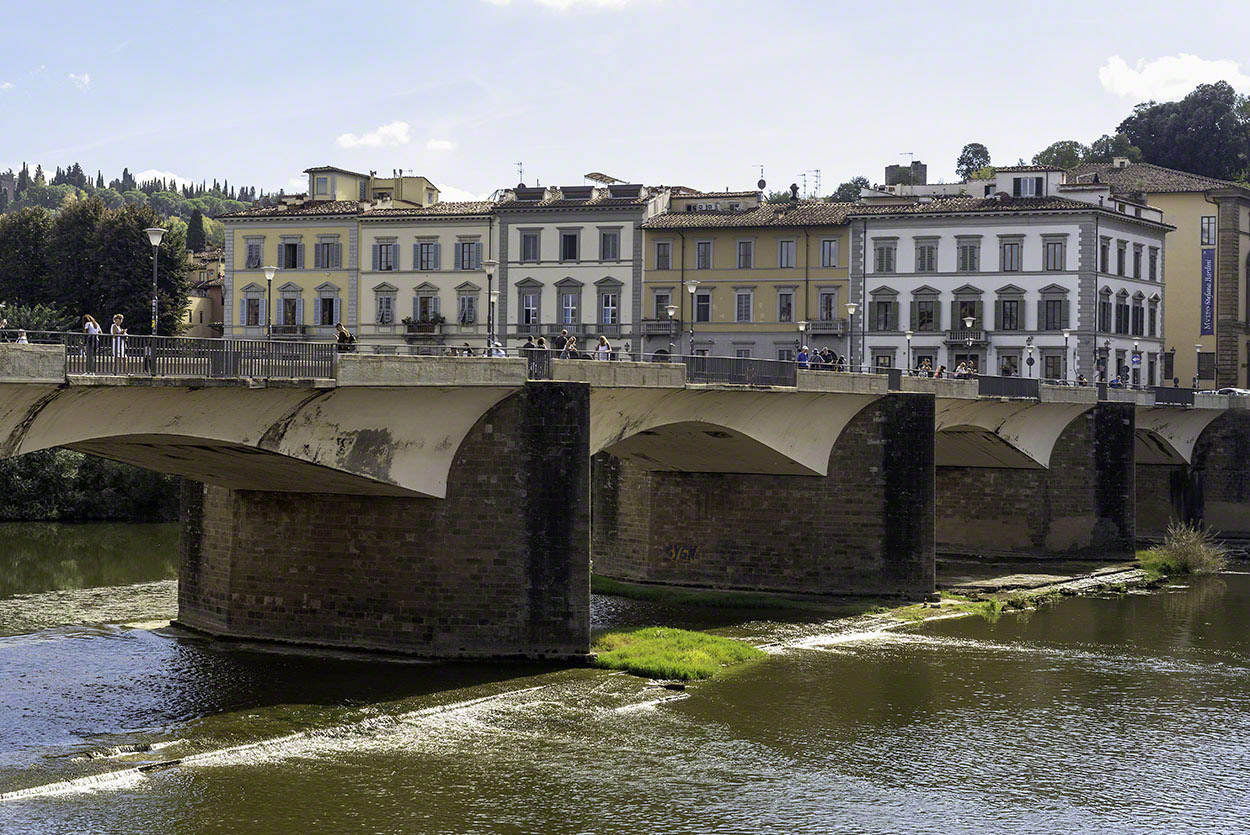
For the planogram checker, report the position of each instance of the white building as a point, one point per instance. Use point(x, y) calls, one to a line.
point(423, 280)
point(571, 258)
point(1065, 275)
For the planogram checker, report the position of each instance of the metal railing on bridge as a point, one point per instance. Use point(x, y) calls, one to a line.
point(133, 355)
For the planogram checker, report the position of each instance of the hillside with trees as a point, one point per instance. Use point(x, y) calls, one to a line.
point(199, 202)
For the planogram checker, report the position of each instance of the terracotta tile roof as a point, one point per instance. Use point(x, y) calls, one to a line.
point(988, 205)
point(599, 199)
point(1018, 169)
point(318, 168)
point(796, 213)
point(318, 207)
point(1147, 178)
point(468, 207)
point(689, 193)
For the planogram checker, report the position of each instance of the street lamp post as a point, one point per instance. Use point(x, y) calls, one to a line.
point(671, 310)
point(691, 285)
point(909, 334)
point(155, 234)
point(1106, 361)
point(1135, 363)
point(269, 271)
point(968, 323)
point(851, 307)
point(490, 265)
point(798, 340)
point(1197, 363)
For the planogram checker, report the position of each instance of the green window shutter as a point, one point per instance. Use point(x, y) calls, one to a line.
point(893, 316)
point(915, 315)
point(277, 313)
point(1037, 186)
point(416, 256)
point(980, 314)
point(377, 257)
point(317, 265)
point(998, 314)
point(437, 250)
point(477, 255)
point(456, 252)
point(338, 256)
point(299, 312)
point(1015, 188)
point(1066, 305)
point(955, 323)
point(299, 255)
point(1041, 315)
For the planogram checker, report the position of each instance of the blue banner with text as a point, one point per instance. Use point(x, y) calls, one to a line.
point(1208, 292)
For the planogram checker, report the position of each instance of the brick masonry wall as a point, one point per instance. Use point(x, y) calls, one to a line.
point(867, 528)
point(499, 568)
point(1222, 466)
point(1082, 505)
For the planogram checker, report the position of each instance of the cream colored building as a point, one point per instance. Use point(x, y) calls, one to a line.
point(767, 277)
point(313, 242)
point(422, 275)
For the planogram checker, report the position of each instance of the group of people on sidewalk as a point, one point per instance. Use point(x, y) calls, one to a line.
point(821, 360)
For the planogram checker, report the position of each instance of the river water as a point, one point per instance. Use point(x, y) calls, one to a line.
point(1120, 714)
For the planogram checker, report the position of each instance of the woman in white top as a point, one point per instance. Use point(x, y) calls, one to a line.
point(603, 350)
point(119, 336)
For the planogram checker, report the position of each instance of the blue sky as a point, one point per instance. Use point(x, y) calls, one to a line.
point(659, 91)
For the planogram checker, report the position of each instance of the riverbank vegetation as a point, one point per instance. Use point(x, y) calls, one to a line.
point(1186, 549)
point(59, 485)
point(664, 653)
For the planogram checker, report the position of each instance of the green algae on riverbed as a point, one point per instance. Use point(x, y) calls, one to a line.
point(665, 653)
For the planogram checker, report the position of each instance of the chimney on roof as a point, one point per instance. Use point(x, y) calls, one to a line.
point(1120, 162)
point(794, 191)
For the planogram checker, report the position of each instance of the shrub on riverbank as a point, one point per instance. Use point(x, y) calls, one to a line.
point(1186, 549)
point(59, 485)
point(661, 652)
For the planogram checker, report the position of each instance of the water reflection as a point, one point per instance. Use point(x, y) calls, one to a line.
point(38, 557)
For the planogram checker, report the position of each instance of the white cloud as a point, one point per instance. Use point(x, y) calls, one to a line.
point(387, 136)
point(451, 194)
point(440, 145)
point(1168, 76)
point(297, 185)
point(82, 82)
point(153, 174)
point(564, 5)
point(8, 85)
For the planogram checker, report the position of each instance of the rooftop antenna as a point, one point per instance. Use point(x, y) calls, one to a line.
point(803, 177)
point(815, 172)
point(520, 172)
point(760, 185)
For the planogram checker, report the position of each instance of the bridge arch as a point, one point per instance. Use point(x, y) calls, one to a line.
point(366, 440)
point(722, 431)
point(1017, 434)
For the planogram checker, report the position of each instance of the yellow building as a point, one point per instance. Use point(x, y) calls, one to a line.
point(1212, 220)
point(204, 314)
point(766, 277)
point(312, 241)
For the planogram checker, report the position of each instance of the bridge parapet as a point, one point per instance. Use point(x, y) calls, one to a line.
point(1067, 394)
point(944, 388)
point(841, 382)
point(32, 364)
point(393, 370)
point(620, 374)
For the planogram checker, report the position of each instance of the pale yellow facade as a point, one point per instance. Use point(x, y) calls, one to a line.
point(755, 287)
point(314, 285)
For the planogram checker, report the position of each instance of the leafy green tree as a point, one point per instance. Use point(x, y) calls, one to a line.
point(848, 192)
point(777, 196)
point(111, 198)
point(124, 259)
point(23, 255)
point(73, 274)
point(4, 201)
point(973, 156)
point(46, 196)
point(1207, 132)
point(1066, 153)
point(1107, 147)
point(23, 179)
point(196, 236)
point(135, 197)
point(39, 317)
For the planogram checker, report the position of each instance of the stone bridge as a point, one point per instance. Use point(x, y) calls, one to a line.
point(443, 506)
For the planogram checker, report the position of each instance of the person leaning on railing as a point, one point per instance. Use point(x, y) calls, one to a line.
point(345, 338)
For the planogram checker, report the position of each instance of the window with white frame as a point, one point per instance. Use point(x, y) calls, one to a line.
point(1055, 255)
point(322, 185)
point(1153, 262)
point(785, 305)
point(570, 301)
point(1208, 231)
point(1137, 260)
point(328, 254)
point(746, 255)
point(829, 252)
point(1011, 255)
point(703, 255)
point(289, 252)
point(969, 256)
point(742, 305)
point(827, 305)
point(387, 257)
point(1121, 250)
point(785, 254)
point(570, 246)
point(251, 311)
point(327, 308)
point(427, 255)
point(742, 353)
point(529, 308)
point(425, 305)
point(468, 255)
point(609, 309)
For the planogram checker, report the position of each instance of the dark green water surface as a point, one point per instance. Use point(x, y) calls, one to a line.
point(1106, 715)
